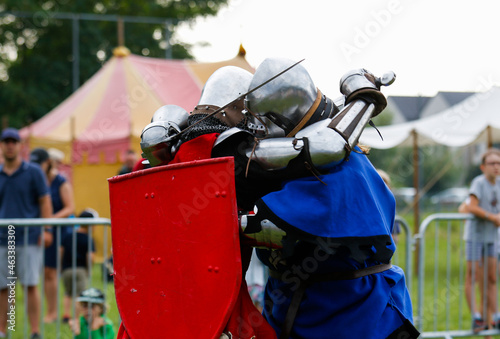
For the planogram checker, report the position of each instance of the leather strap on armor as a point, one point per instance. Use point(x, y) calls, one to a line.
point(372, 96)
point(230, 116)
point(340, 275)
point(305, 157)
point(298, 295)
point(354, 123)
point(307, 116)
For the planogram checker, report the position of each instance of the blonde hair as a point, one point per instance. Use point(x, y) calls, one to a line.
point(383, 174)
point(364, 148)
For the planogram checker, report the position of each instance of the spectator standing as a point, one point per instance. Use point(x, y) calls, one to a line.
point(63, 206)
point(23, 194)
point(396, 230)
point(128, 162)
point(84, 258)
point(481, 241)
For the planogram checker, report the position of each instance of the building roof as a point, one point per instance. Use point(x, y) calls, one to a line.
point(410, 107)
point(454, 98)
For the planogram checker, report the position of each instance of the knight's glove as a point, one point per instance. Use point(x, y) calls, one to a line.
point(361, 84)
point(259, 231)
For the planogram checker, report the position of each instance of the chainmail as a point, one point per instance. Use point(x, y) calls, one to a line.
point(243, 125)
point(209, 125)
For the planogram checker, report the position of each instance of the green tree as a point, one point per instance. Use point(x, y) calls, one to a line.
point(36, 49)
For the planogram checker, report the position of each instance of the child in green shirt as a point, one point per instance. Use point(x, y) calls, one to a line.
point(92, 318)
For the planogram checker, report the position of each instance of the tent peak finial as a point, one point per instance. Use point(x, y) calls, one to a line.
point(242, 52)
point(121, 51)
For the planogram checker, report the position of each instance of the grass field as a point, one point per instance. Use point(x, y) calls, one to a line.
point(444, 305)
point(61, 330)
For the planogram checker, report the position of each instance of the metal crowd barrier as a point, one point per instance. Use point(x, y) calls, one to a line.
point(408, 248)
point(442, 310)
point(55, 223)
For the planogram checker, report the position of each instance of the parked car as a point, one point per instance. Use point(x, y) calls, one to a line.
point(405, 194)
point(451, 196)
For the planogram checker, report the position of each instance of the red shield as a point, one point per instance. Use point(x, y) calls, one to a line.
point(176, 249)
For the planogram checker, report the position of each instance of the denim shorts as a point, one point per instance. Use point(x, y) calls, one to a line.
point(474, 251)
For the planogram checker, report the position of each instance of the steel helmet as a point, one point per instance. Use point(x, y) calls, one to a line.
point(287, 103)
point(158, 139)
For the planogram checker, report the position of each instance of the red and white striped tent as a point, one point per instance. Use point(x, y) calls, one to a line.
point(98, 123)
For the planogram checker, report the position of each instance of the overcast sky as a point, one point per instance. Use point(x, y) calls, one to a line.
point(432, 46)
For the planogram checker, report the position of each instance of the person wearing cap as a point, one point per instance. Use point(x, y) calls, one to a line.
point(63, 206)
point(92, 319)
point(23, 194)
point(129, 161)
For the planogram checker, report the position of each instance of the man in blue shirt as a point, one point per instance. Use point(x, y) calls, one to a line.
point(23, 194)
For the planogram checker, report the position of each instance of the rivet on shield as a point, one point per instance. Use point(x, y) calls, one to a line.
point(210, 268)
point(152, 195)
point(152, 260)
point(223, 194)
point(216, 269)
point(146, 196)
point(158, 260)
point(217, 194)
point(133, 290)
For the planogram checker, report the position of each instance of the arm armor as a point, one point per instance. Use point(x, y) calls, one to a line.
point(331, 140)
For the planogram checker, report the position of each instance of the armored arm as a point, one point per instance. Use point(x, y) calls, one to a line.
point(329, 141)
point(261, 233)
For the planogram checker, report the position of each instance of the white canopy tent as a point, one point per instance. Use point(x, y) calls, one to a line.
point(474, 120)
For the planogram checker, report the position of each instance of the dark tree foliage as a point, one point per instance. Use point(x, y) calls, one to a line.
point(36, 48)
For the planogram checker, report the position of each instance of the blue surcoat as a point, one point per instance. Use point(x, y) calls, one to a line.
point(346, 220)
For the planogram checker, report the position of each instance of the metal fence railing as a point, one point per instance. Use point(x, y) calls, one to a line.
point(441, 309)
point(440, 306)
point(406, 247)
point(70, 226)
